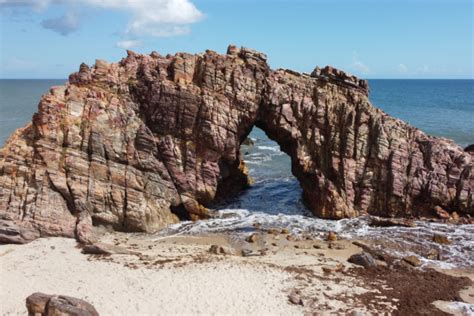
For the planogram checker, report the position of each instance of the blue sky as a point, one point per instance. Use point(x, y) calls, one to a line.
point(371, 39)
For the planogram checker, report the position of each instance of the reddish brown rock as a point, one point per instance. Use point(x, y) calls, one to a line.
point(441, 239)
point(50, 305)
point(413, 260)
point(364, 259)
point(36, 303)
point(252, 238)
point(389, 222)
point(139, 144)
point(440, 212)
point(14, 234)
point(331, 236)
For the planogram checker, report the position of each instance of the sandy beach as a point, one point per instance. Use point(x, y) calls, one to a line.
point(179, 275)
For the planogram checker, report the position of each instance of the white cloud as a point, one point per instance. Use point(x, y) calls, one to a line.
point(127, 44)
point(156, 18)
point(402, 68)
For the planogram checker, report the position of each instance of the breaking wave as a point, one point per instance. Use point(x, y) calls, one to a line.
point(274, 201)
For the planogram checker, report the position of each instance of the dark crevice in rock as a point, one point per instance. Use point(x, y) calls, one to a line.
point(181, 212)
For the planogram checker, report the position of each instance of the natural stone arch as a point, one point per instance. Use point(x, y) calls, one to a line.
point(125, 144)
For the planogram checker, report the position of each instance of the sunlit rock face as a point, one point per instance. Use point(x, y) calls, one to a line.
point(134, 144)
point(352, 158)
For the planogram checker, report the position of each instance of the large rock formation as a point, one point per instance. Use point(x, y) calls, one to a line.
point(140, 143)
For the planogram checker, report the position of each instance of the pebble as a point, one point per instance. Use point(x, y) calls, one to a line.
point(413, 260)
point(332, 236)
point(252, 238)
point(441, 239)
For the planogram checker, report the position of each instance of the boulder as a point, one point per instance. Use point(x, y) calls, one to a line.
point(363, 259)
point(58, 305)
point(36, 303)
point(470, 148)
point(142, 143)
point(11, 233)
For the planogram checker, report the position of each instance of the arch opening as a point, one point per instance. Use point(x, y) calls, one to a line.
point(274, 189)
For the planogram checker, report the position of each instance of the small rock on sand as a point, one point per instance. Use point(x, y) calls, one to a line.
point(252, 238)
point(295, 298)
point(413, 260)
point(441, 239)
point(332, 236)
point(220, 250)
point(433, 254)
point(100, 248)
point(273, 231)
point(363, 259)
point(331, 269)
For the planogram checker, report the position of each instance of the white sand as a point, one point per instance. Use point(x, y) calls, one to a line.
point(56, 266)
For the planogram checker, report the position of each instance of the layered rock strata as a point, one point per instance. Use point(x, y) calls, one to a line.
point(139, 144)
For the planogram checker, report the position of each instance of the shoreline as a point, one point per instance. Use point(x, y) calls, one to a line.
point(272, 274)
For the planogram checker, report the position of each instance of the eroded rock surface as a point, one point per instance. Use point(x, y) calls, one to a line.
point(39, 304)
point(136, 145)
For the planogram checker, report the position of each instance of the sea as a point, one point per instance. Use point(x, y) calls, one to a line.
point(438, 107)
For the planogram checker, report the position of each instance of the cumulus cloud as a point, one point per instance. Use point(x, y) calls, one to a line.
point(127, 44)
point(156, 18)
point(64, 25)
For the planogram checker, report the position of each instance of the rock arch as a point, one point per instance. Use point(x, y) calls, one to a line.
point(125, 144)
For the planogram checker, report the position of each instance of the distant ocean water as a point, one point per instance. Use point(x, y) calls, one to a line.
point(438, 107)
point(18, 101)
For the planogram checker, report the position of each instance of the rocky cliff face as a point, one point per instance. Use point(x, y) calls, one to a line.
point(137, 144)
